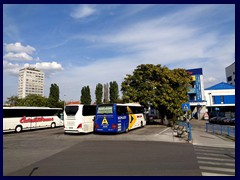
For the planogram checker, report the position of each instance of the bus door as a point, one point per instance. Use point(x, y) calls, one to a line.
point(123, 118)
point(123, 123)
point(33, 120)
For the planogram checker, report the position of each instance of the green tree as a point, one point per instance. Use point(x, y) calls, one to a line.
point(53, 98)
point(85, 95)
point(159, 86)
point(99, 93)
point(13, 101)
point(114, 92)
point(54, 92)
point(34, 100)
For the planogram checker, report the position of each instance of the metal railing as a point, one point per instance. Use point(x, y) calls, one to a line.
point(181, 127)
point(221, 129)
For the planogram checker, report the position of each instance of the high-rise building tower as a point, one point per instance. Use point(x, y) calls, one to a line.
point(30, 81)
point(230, 74)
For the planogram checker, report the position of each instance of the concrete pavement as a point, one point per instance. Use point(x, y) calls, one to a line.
point(199, 136)
point(203, 138)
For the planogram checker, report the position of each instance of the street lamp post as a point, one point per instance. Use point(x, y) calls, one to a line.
point(64, 101)
point(210, 101)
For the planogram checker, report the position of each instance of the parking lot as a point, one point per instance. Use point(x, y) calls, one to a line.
point(44, 149)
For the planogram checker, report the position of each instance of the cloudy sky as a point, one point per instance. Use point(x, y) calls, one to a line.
point(78, 44)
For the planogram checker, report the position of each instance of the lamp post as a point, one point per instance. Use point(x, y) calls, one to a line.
point(210, 101)
point(64, 102)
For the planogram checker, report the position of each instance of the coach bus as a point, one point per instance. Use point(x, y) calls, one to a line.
point(117, 118)
point(26, 118)
point(79, 118)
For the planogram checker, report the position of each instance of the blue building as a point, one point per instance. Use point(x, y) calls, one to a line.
point(196, 91)
point(221, 97)
point(196, 97)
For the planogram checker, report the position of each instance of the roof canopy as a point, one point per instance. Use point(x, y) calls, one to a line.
point(221, 86)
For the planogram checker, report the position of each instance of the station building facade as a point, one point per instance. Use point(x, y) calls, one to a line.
point(221, 98)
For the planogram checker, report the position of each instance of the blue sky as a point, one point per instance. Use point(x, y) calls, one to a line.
point(84, 44)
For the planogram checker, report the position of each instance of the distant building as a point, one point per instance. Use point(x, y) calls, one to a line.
point(196, 96)
point(220, 97)
point(196, 91)
point(30, 81)
point(230, 74)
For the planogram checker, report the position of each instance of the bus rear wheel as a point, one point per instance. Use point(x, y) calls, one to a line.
point(18, 129)
point(53, 125)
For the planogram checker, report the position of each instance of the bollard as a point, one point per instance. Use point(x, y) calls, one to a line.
point(189, 132)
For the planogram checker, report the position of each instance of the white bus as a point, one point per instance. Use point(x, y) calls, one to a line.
point(27, 118)
point(79, 118)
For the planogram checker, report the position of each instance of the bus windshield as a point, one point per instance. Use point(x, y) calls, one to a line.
point(71, 110)
point(105, 110)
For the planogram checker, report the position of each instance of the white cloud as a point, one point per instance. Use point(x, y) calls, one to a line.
point(23, 56)
point(178, 39)
point(9, 68)
point(175, 40)
point(49, 68)
point(18, 52)
point(82, 11)
point(19, 48)
point(103, 71)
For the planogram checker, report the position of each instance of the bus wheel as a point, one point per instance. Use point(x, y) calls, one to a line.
point(18, 129)
point(126, 130)
point(141, 124)
point(53, 125)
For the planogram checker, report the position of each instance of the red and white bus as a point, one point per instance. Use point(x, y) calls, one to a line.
point(26, 118)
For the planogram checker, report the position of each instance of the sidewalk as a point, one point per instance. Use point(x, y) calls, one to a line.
point(203, 138)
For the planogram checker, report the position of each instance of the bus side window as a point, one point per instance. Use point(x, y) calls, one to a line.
point(61, 116)
point(121, 110)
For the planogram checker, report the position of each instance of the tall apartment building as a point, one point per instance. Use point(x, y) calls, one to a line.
point(30, 81)
point(230, 74)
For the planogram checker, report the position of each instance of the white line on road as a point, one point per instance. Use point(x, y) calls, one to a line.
point(218, 159)
point(217, 169)
point(217, 163)
point(214, 174)
point(164, 130)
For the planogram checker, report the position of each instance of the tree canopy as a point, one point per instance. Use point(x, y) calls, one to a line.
point(38, 100)
point(54, 92)
point(114, 92)
point(53, 98)
point(158, 86)
point(85, 95)
point(99, 93)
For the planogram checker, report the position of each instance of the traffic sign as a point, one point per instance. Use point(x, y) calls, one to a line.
point(186, 107)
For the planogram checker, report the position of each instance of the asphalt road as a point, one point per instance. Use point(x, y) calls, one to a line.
point(49, 152)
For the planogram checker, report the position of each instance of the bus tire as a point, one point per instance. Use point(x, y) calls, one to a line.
point(126, 130)
point(53, 125)
point(18, 129)
point(141, 124)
